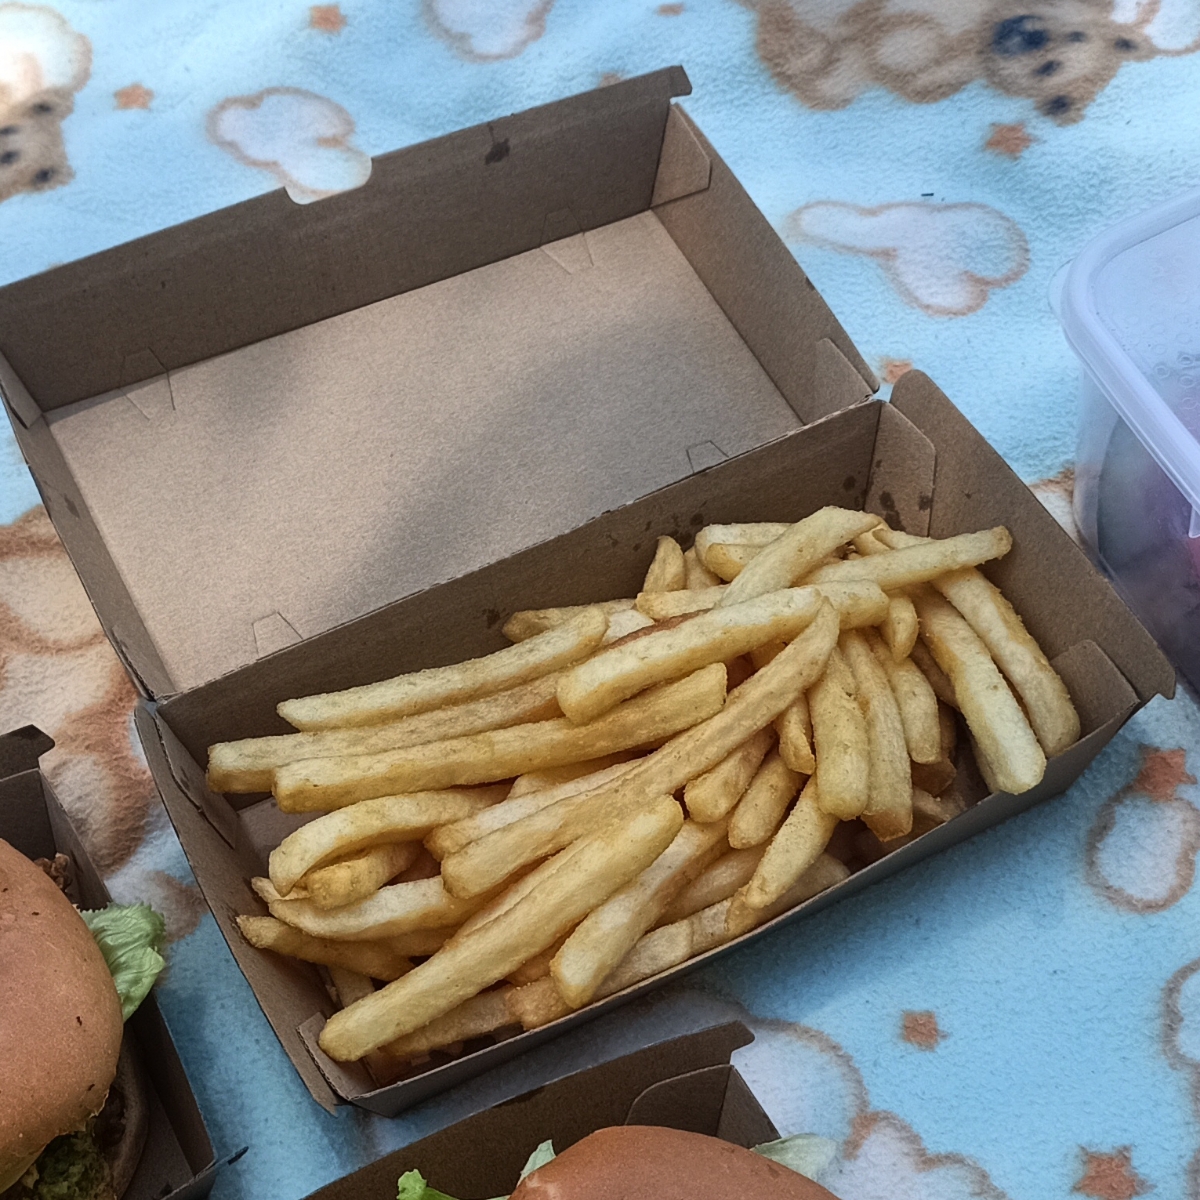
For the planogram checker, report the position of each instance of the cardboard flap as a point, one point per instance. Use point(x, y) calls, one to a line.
point(902, 473)
point(683, 165)
point(1099, 690)
point(743, 1120)
point(21, 748)
point(20, 403)
point(698, 1097)
point(975, 489)
point(346, 1079)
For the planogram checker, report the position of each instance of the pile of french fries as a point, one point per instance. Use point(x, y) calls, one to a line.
point(635, 782)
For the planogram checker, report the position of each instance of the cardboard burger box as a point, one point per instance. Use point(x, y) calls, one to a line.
point(177, 1162)
point(293, 448)
point(685, 1083)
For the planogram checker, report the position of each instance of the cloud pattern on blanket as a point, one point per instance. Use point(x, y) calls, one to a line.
point(941, 258)
point(487, 30)
point(303, 140)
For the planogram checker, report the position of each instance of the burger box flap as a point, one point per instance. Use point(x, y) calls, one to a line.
point(685, 1083)
point(178, 1161)
point(538, 343)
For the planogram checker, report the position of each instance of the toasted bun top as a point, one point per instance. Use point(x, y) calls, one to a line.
point(60, 1018)
point(649, 1162)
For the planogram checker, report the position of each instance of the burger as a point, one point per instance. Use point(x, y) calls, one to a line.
point(73, 1114)
point(650, 1162)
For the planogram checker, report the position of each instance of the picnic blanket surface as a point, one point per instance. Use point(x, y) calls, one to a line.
point(1017, 1018)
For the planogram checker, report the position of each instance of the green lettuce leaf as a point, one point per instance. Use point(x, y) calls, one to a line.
point(412, 1186)
point(805, 1153)
point(131, 938)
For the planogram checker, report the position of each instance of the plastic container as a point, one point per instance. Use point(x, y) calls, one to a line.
point(1130, 308)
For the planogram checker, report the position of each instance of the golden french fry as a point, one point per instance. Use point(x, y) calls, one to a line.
point(943, 689)
point(551, 777)
point(840, 744)
point(538, 967)
point(1013, 756)
point(914, 697)
point(464, 967)
point(794, 726)
point(920, 561)
point(715, 883)
point(889, 804)
point(728, 560)
point(474, 1018)
point(609, 931)
point(521, 626)
point(793, 554)
point(595, 686)
point(740, 917)
point(761, 655)
point(932, 811)
point(713, 795)
point(248, 765)
point(359, 875)
point(869, 543)
point(663, 606)
point(420, 691)
point(792, 851)
point(396, 909)
point(384, 819)
point(695, 573)
point(762, 807)
point(325, 783)
point(623, 625)
point(751, 707)
point(667, 571)
point(1047, 702)
point(899, 629)
point(655, 952)
point(377, 959)
point(420, 943)
point(349, 985)
point(937, 776)
point(449, 838)
point(757, 534)
point(536, 1004)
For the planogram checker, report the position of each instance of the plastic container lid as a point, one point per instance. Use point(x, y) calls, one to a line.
point(1130, 308)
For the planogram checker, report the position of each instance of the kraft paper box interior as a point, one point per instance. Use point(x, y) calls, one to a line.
point(686, 1083)
point(296, 448)
point(177, 1162)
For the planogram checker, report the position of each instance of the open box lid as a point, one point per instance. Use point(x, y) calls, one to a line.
point(264, 423)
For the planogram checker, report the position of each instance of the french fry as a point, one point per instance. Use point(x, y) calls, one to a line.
point(728, 560)
point(840, 743)
point(324, 783)
point(667, 571)
point(396, 909)
point(376, 959)
point(795, 553)
point(609, 931)
point(943, 689)
point(899, 629)
point(794, 726)
point(1047, 702)
point(521, 626)
point(449, 838)
point(762, 807)
point(538, 967)
point(761, 655)
point(424, 866)
point(662, 606)
point(420, 691)
point(350, 985)
point(482, 1014)
point(461, 969)
point(384, 819)
point(541, 781)
point(420, 943)
point(792, 851)
point(625, 624)
point(715, 883)
point(695, 573)
point(888, 813)
point(536, 1004)
point(869, 543)
point(713, 795)
point(757, 534)
point(1012, 755)
point(932, 811)
point(485, 862)
point(741, 917)
point(914, 697)
point(356, 877)
point(248, 765)
point(603, 681)
point(937, 776)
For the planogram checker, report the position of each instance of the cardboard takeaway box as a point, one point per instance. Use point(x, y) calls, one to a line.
point(291, 449)
point(685, 1083)
point(177, 1162)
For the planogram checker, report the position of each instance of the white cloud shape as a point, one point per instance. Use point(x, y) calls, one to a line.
point(486, 30)
point(300, 137)
point(942, 258)
point(1173, 25)
point(1146, 852)
point(39, 52)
